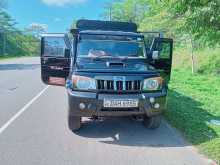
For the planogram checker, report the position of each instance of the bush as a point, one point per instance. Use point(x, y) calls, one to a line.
point(207, 60)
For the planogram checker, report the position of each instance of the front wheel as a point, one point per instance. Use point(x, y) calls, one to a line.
point(153, 122)
point(74, 123)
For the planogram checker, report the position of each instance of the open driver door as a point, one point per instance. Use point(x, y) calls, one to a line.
point(55, 58)
point(160, 57)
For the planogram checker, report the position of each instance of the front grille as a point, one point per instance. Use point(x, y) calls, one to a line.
point(112, 85)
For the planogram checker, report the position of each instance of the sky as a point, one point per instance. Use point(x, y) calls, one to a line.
point(56, 15)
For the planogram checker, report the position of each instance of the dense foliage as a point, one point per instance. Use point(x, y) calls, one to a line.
point(198, 18)
point(14, 42)
point(194, 25)
point(201, 18)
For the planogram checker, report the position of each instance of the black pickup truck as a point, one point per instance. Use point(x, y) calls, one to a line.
point(109, 69)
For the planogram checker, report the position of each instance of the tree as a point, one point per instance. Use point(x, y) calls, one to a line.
point(6, 26)
point(37, 29)
point(149, 15)
point(127, 10)
point(202, 18)
point(12, 40)
point(3, 4)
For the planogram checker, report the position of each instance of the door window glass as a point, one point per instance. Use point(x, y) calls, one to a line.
point(54, 46)
point(164, 49)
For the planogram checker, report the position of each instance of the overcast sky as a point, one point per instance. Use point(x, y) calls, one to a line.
point(57, 15)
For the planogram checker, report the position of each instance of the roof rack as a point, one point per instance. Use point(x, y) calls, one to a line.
point(84, 24)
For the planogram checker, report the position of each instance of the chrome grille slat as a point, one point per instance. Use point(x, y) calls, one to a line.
point(132, 85)
point(112, 85)
point(115, 85)
point(105, 84)
point(124, 85)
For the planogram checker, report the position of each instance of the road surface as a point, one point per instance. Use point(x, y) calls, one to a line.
point(33, 129)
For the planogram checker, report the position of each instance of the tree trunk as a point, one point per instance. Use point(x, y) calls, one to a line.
point(192, 56)
point(4, 43)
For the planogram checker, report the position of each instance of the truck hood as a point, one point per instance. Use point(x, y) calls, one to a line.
point(114, 65)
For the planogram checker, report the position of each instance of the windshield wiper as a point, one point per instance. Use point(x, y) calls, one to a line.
point(101, 57)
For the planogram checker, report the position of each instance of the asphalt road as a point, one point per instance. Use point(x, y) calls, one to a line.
point(33, 129)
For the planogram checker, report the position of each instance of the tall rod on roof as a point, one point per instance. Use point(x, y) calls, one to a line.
point(110, 13)
point(108, 7)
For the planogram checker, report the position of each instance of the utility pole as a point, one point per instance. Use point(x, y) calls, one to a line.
point(135, 12)
point(4, 43)
point(192, 53)
point(110, 12)
point(108, 8)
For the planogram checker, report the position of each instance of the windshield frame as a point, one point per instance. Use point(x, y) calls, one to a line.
point(143, 45)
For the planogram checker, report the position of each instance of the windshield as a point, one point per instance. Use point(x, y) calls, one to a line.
point(114, 46)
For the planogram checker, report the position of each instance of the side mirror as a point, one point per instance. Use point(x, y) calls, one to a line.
point(155, 55)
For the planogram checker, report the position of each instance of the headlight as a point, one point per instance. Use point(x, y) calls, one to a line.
point(152, 84)
point(83, 83)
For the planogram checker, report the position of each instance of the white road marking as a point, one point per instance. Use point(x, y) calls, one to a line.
point(11, 120)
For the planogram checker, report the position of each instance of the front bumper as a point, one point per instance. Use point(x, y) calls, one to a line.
point(94, 104)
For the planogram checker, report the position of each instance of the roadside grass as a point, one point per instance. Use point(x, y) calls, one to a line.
point(7, 57)
point(194, 100)
point(12, 57)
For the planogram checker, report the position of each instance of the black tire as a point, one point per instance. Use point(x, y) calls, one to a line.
point(74, 123)
point(153, 122)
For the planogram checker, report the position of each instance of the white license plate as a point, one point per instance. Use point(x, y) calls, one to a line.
point(125, 103)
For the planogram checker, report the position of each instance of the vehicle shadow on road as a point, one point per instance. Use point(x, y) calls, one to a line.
point(18, 66)
point(127, 132)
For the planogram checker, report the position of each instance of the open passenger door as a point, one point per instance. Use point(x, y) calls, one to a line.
point(55, 58)
point(161, 52)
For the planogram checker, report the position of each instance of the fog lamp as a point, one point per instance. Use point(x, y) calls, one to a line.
point(157, 106)
point(82, 106)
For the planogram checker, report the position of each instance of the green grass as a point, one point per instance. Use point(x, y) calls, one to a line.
point(194, 100)
point(11, 57)
point(6, 57)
